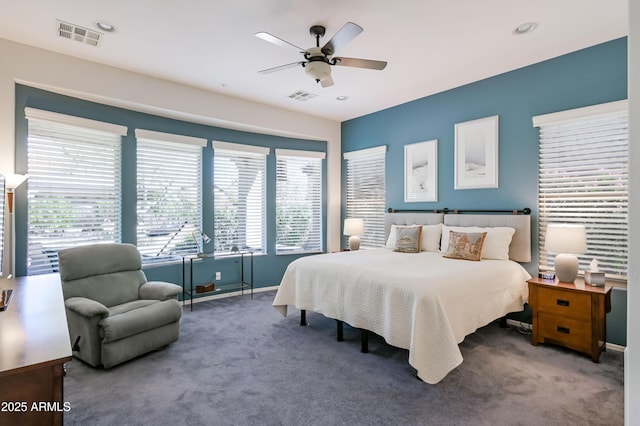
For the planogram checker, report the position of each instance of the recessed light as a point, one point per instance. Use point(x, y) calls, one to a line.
point(105, 26)
point(525, 28)
point(342, 98)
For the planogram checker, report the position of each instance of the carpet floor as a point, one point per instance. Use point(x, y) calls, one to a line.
point(239, 362)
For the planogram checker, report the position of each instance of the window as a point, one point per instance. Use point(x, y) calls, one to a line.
point(298, 201)
point(239, 197)
point(583, 178)
point(169, 195)
point(366, 192)
point(74, 185)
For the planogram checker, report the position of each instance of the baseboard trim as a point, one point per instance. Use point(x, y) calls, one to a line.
point(527, 326)
point(230, 294)
point(615, 348)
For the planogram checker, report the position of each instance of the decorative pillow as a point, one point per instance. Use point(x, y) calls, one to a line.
point(430, 237)
point(465, 245)
point(408, 239)
point(496, 244)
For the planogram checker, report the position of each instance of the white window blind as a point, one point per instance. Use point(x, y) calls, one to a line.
point(74, 186)
point(239, 192)
point(366, 192)
point(298, 201)
point(169, 196)
point(583, 179)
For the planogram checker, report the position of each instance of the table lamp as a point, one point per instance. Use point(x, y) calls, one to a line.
point(354, 228)
point(205, 239)
point(566, 240)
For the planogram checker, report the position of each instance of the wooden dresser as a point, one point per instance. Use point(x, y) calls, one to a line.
point(34, 345)
point(570, 314)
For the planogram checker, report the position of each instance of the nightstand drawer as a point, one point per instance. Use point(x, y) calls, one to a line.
point(565, 303)
point(568, 332)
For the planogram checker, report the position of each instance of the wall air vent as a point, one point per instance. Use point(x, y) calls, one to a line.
point(78, 33)
point(301, 96)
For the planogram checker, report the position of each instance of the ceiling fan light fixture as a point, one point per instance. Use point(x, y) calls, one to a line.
point(318, 70)
point(318, 60)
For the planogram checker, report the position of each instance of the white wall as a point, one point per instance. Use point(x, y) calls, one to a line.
point(632, 354)
point(95, 82)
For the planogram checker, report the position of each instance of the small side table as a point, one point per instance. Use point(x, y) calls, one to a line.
point(572, 315)
point(244, 284)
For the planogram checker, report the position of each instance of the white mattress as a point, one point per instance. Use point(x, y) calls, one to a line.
point(422, 302)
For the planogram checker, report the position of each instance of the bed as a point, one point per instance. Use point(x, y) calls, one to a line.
point(424, 301)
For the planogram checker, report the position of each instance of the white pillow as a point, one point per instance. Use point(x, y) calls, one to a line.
point(496, 244)
point(431, 237)
point(429, 240)
point(391, 240)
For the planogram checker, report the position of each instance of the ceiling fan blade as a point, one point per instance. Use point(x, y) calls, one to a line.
point(347, 33)
point(326, 82)
point(360, 63)
point(278, 41)
point(281, 67)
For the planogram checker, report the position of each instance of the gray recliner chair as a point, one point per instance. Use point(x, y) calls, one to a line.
point(114, 314)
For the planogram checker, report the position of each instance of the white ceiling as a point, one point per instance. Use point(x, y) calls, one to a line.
point(430, 45)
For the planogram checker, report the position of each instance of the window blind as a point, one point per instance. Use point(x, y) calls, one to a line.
point(239, 197)
point(298, 201)
point(169, 196)
point(74, 187)
point(583, 179)
point(366, 192)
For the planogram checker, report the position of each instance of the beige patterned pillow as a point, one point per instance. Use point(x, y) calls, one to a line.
point(465, 245)
point(408, 239)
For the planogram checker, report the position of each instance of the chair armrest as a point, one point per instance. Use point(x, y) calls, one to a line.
point(86, 307)
point(159, 290)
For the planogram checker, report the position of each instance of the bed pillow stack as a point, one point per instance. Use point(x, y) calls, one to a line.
point(496, 243)
point(465, 245)
point(429, 237)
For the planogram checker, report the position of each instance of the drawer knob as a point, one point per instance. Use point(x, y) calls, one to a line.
point(564, 330)
point(562, 302)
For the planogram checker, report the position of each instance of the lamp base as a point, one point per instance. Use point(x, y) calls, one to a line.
point(354, 242)
point(566, 267)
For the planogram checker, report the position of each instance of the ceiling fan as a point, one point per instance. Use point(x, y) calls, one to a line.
point(318, 60)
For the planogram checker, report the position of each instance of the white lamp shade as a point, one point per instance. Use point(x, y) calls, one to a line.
point(566, 238)
point(353, 227)
point(12, 180)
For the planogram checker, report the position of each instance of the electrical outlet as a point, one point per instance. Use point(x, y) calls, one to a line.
point(218, 275)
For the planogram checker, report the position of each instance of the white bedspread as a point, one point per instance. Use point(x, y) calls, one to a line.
point(422, 302)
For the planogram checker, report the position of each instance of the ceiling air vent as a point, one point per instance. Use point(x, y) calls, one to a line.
point(78, 33)
point(302, 96)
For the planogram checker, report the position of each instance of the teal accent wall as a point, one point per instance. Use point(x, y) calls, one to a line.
point(268, 269)
point(591, 76)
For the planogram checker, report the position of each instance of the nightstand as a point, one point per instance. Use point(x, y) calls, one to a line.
point(572, 315)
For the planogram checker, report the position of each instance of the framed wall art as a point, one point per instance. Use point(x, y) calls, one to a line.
point(421, 171)
point(476, 154)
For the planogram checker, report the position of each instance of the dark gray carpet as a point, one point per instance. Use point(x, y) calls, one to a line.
point(239, 362)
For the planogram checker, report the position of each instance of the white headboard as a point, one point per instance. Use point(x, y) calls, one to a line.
point(418, 218)
point(519, 250)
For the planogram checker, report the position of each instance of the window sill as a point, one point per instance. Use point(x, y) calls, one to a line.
point(291, 253)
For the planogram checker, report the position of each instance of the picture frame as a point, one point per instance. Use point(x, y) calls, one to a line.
point(476, 153)
point(421, 171)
